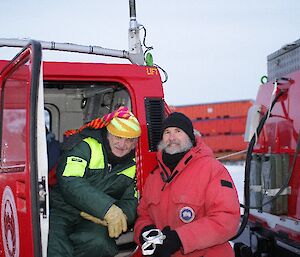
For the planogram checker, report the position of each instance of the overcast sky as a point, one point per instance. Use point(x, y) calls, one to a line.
point(213, 50)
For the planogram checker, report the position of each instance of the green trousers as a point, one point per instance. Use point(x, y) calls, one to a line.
point(77, 237)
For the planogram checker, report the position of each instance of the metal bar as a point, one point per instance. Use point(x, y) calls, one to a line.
point(274, 191)
point(132, 10)
point(288, 247)
point(67, 47)
point(135, 46)
point(233, 154)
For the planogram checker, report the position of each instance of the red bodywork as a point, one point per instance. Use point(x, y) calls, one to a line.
point(140, 81)
point(281, 131)
point(15, 188)
point(279, 136)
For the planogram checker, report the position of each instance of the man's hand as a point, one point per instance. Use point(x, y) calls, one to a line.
point(170, 245)
point(93, 219)
point(116, 221)
point(146, 228)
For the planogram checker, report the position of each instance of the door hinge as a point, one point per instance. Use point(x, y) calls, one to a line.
point(43, 197)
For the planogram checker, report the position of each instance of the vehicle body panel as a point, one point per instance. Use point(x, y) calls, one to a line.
point(65, 87)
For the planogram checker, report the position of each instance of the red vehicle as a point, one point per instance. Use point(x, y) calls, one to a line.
point(64, 96)
point(271, 222)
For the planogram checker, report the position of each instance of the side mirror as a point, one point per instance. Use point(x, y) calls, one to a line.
point(253, 118)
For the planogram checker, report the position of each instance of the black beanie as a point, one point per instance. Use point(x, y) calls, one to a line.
point(179, 120)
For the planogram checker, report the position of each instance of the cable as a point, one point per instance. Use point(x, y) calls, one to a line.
point(232, 154)
point(149, 48)
point(165, 73)
point(248, 166)
point(288, 178)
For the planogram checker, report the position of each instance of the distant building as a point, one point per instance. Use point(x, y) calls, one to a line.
point(221, 124)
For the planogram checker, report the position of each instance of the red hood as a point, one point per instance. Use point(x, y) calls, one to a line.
point(201, 148)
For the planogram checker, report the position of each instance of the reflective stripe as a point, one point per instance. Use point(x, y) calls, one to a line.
point(129, 172)
point(97, 157)
point(75, 167)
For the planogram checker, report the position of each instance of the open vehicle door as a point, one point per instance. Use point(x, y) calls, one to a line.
point(23, 160)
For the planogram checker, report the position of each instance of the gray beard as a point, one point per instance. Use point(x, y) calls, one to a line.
point(183, 147)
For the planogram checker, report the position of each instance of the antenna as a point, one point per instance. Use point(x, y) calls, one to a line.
point(134, 55)
point(135, 47)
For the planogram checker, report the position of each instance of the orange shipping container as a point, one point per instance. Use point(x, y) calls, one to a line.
point(215, 110)
point(226, 143)
point(235, 125)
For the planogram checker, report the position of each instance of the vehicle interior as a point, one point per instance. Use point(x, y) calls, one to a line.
point(69, 105)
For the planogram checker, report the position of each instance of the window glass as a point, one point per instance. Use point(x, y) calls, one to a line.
point(13, 147)
point(47, 119)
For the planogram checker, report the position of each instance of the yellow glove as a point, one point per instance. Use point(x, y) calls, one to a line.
point(116, 221)
point(93, 219)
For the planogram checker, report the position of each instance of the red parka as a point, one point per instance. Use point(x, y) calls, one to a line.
point(200, 203)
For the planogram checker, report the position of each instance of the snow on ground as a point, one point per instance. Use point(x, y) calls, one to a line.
point(237, 173)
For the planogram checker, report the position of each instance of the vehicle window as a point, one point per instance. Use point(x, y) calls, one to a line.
point(47, 119)
point(13, 150)
point(72, 104)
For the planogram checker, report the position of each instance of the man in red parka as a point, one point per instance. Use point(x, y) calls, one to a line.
point(190, 198)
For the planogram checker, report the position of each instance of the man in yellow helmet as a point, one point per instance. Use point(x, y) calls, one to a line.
point(95, 200)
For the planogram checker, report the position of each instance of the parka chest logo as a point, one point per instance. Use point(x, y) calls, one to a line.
point(187, 214)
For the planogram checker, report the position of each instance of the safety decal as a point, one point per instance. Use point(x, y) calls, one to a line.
point(9, 224)
point(151, 71)
point(187, 214)
point(75, 167)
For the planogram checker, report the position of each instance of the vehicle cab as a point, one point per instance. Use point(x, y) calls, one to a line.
point(62, 96)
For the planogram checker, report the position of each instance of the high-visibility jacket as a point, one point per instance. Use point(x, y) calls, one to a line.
point(87, 183)
point(200, 202)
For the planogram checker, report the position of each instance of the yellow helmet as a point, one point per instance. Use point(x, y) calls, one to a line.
point(128, 128)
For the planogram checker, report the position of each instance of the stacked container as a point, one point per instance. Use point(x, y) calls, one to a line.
point(222, 125)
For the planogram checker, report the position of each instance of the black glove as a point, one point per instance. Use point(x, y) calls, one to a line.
point(146, 228)
point(170, 245)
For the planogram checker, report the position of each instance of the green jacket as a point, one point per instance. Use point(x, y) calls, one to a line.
point(87, 183)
